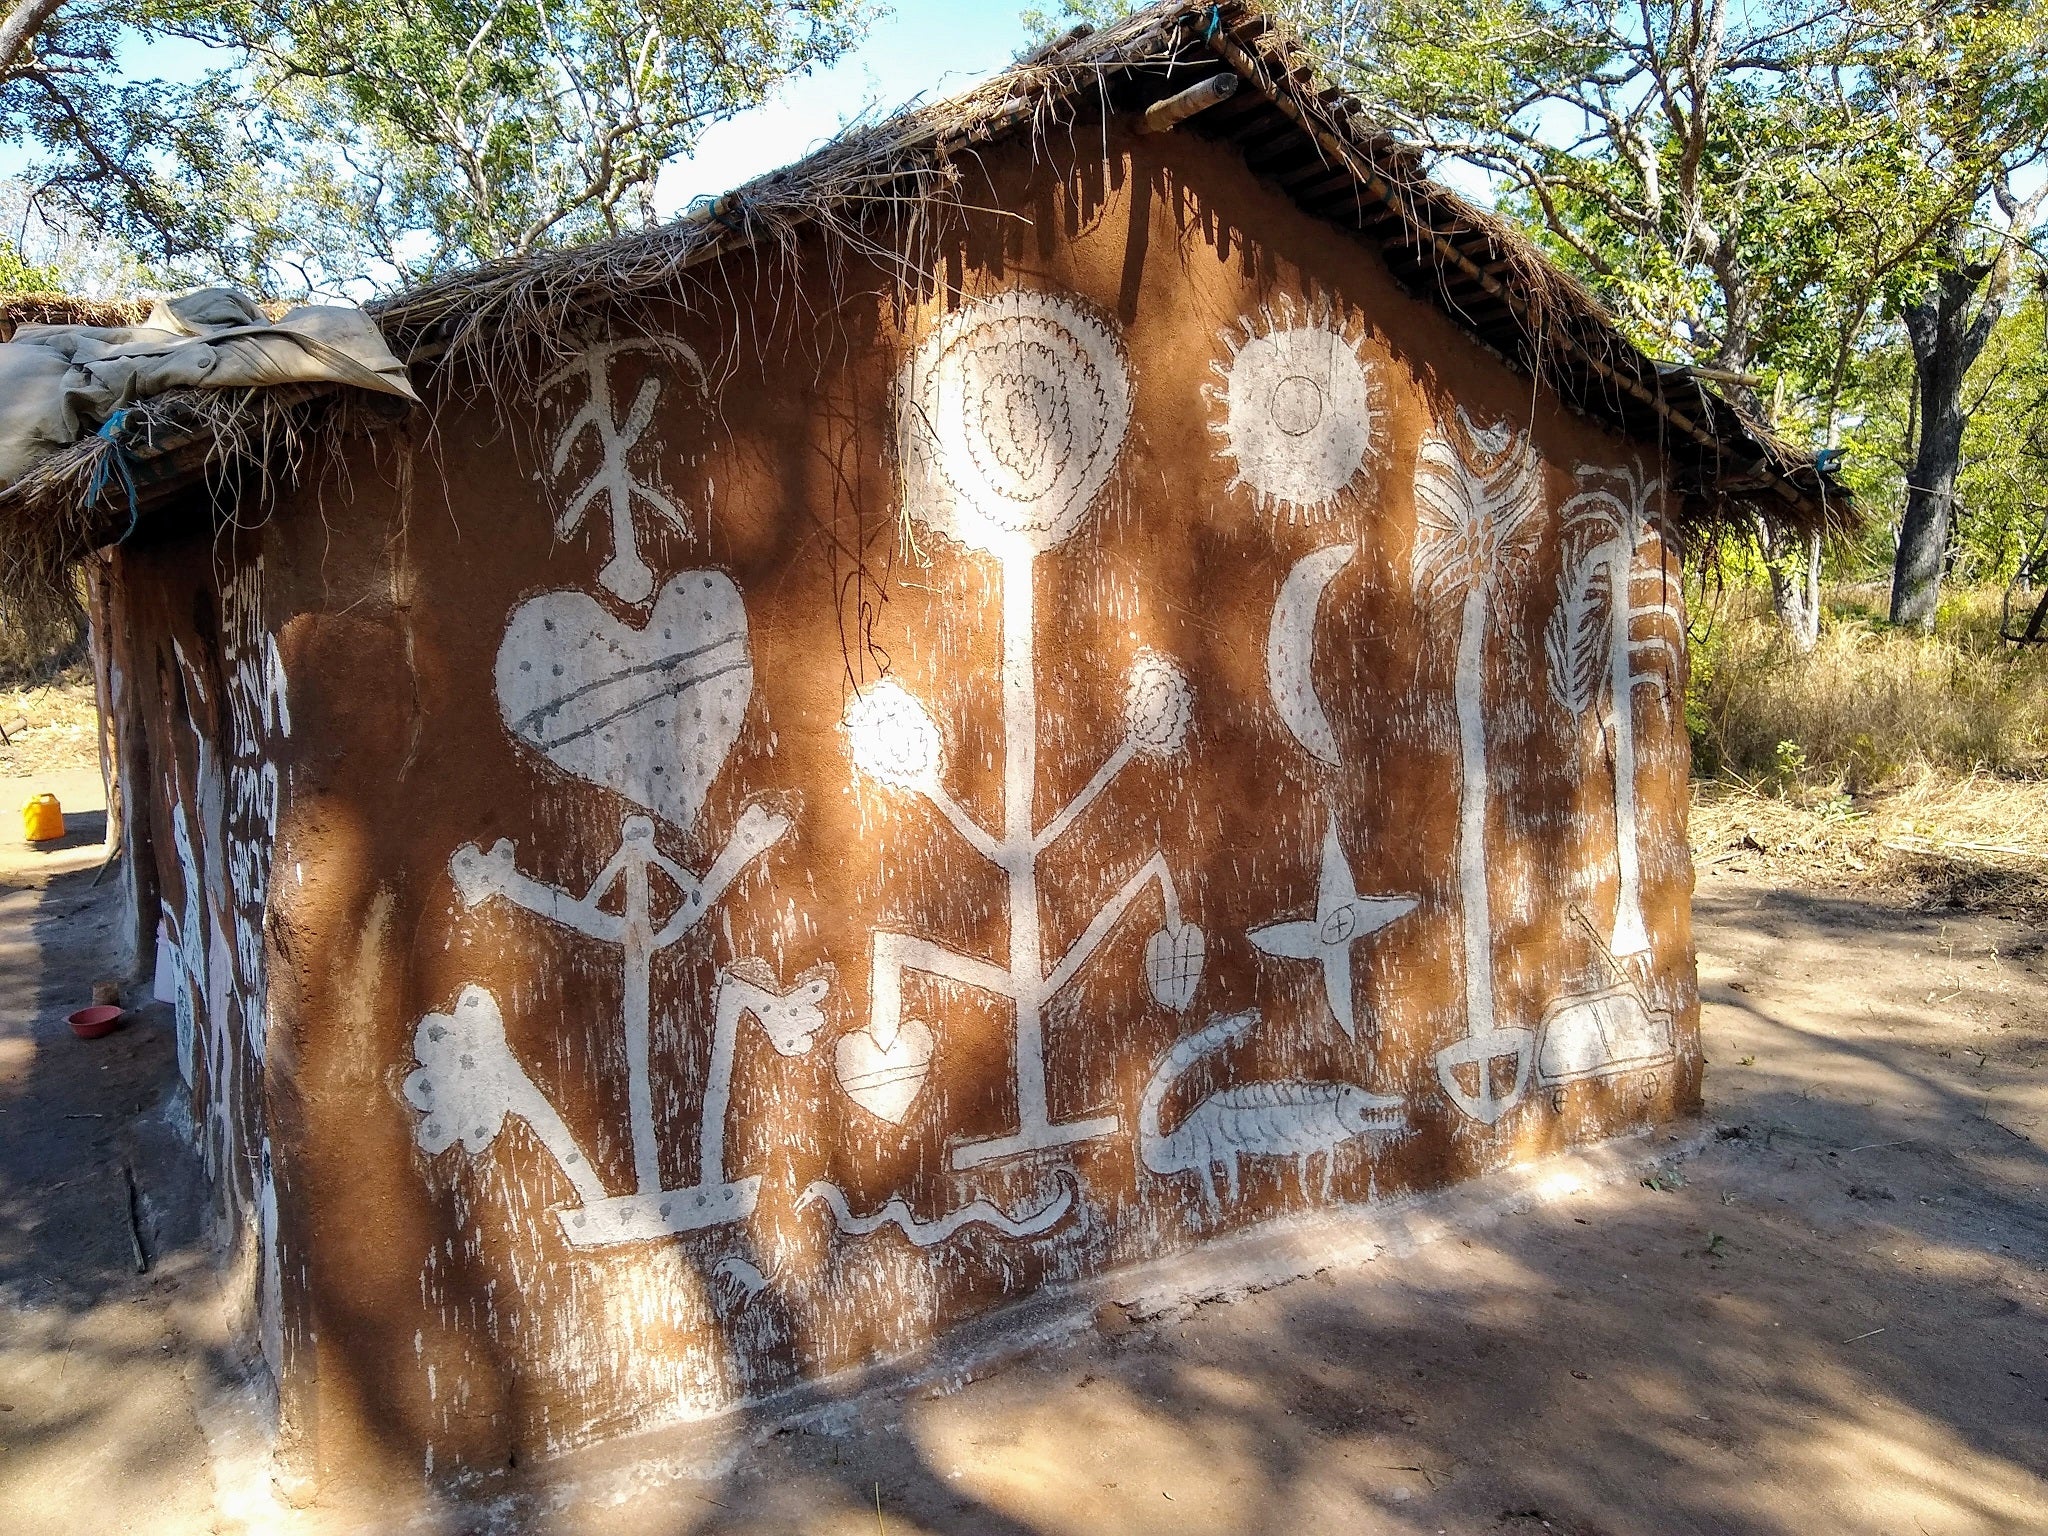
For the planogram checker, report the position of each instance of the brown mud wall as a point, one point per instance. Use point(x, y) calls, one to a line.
point(1172, 641)
point(198, 694)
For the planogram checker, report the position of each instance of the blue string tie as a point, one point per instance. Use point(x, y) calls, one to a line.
point(113, 462)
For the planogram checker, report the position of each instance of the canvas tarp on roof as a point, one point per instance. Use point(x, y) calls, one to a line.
point(59, 383)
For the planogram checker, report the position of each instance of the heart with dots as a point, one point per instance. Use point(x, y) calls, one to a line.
point(651, 712)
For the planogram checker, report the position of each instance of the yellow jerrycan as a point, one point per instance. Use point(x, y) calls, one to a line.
point(42, 819)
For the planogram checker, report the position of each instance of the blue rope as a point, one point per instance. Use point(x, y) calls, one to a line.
point(1215, 24)
point(115, 461)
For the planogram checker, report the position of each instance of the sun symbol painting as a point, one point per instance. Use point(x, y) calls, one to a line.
point(1301, 410)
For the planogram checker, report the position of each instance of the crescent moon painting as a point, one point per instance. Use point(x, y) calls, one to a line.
point(1290, 649)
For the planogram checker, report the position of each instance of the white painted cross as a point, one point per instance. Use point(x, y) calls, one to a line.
point(626, 573)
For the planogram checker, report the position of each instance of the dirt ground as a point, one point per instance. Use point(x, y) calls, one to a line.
point(49, 725)
point(1824, 1308)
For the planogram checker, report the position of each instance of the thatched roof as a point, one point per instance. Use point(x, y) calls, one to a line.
point(884, 190)
point(19, 309)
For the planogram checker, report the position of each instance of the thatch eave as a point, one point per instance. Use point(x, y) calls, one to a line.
point(865, 188)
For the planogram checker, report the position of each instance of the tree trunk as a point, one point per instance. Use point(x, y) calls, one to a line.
point(1793, 563)
point(1946, 339)
point(19, 28)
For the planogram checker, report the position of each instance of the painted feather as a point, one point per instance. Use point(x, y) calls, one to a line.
point(1575, 638)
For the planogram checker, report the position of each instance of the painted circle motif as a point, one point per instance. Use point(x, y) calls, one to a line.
point(1158, 704)
point(1014, 411)
point(1300, 419)
point(893, 738)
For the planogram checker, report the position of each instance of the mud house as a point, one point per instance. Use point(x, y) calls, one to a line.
point(1091, 666)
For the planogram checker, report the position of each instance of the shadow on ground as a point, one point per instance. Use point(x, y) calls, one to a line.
point(1832, 1317)
point(95, 1417)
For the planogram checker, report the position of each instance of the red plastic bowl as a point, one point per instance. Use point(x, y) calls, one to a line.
point(91, 1023)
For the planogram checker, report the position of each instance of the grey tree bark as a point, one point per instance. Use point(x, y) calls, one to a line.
point(1946, 339)
point(1947, 336)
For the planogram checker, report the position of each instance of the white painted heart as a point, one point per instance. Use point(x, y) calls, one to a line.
point(651, 713)
point(885, 1077)
point(1173, 965)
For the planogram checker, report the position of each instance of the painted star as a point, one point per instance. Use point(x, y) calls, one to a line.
point(1343, 917)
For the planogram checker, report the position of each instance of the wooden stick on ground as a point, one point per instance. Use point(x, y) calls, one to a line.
point(129, 1201)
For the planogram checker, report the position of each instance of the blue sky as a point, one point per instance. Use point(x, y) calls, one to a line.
point(924, 47)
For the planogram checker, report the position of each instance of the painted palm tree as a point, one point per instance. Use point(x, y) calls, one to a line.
point(1478, 494)
point(1603, 643)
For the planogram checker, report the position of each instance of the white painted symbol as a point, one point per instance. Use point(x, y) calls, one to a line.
point(896, 1212)
point(626, 573)
point(1012, 414)
point(1290, 649)
point(485, 876)
point(737, 1281)
point(884, 1076)
point(1600, 1034)
point(214, 991)
point(1173, 965)
point(468, 1083)
point(1603, 644)
point(189, 933)
point(259, 719)
point(1603, 1032)
point(1301, 409)
point(649, 713)
point(1342, 917)
point(270, 1283)
point(1287, 1118)
point(1478, 493)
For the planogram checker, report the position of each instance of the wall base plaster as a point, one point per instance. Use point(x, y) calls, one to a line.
point(1224, 1270)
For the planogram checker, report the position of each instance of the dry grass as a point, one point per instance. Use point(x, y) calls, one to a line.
point(51, 727)
point(42, 631)
point(1901, 765)
point(1977, 842)
point(1871, 708)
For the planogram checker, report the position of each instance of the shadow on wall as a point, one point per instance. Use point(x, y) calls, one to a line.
point(1790, 1334)
point(357, 1340)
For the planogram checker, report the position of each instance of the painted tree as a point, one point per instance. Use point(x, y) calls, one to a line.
point(1478, 495)
point(1603, 643)
point(1012, 415)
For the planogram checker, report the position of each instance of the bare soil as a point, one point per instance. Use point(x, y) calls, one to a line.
point(1831, 1314)
point(49, 726)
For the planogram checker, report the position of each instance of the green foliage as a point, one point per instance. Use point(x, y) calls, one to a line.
point(441, 133)
point(18, 276)
point(1765, 190)
point(345, 142)
point(1044, 26)
point(165, 167)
